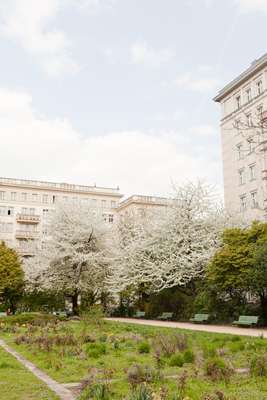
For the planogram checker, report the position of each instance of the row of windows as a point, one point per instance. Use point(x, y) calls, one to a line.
point(45, 198)
point(6, 227)
point(248, 93)
point(6, 211)
point(250, 175)
point(252, 200)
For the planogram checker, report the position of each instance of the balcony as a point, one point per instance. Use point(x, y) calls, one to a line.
point(28, 218)
point(26, 234)
point(26, 252)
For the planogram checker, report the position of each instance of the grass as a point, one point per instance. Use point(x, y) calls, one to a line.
point(16, 383)
point(108, 353)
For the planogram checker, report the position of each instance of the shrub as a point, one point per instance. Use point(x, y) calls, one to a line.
point(169, 344)
point(103, 338)
point(189, 356)
point(217, 369)
point(144, 347)
point(96, 350)
point(142, 393)
point(236, 346)
point(176, 360)
point(258, 365)
point(138, 374)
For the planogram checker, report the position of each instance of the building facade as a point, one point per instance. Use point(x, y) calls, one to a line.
point(25, 206)
point(244, 138)
point(141, 206)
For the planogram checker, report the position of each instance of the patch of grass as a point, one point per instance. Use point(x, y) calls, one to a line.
point(17, 383)
point(144, 348)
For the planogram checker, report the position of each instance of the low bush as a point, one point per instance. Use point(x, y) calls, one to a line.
point(144, 348)
point(96, 350)
point(217, 369)
point(258, 365)
point(189, 356)
point(176, 360)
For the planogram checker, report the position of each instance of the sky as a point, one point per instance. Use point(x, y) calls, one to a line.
point(119, 92)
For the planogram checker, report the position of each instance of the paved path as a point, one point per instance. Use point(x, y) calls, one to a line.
point(232, 330)
point(56, 387)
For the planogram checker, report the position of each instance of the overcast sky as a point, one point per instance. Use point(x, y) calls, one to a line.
point(119, 92)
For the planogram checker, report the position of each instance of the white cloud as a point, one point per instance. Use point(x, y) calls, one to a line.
point(28, 23)
point(143, 54)
point(252, 5)
point(95, 6)
point(34, 146)
point(197, 84)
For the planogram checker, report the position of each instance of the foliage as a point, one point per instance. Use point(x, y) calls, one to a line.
point(144, 347)
point(258, 365)
point(239, 267)
point(75, 258)
point(217, 369)
point(173, 249)
point(11, 277)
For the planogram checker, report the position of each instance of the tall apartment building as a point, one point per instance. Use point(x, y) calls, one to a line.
point(244, 145)
point(26, 204)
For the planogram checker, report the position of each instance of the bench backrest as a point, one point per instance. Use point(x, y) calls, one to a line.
point(201, 317)
point(167, 314)
point(140, 313)
point(249, 318)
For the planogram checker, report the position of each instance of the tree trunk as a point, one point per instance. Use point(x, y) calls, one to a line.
point(264, 307)
point(75, 307)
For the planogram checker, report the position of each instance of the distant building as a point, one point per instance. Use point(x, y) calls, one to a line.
point(244, 133)
point(141, 206)
point(26, 204)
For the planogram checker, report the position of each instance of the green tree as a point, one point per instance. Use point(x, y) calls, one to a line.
point(11, 277)
point(257, 276)
point(239, 267)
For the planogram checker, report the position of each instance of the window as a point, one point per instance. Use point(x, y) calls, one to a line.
point(254, 199)
point(6, 227)
point(250, 145)
point(241, 175)
point(94, 202)
point(103, 203)
point(238, 101)
point(252, 172)
point(248, 95)
point(10, 211)
point(45, 212)
point(249, 119)
point(45, 198)
point(13, 196)
point(113, 204)
point(32, 211)
point(2, 195)
point(34, 197)
point(243, 202)
point(53, 199)
point(24, 196)
point(240, 153)
point(2, 211)
point(259, 87)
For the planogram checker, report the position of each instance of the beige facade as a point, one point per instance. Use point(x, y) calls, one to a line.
point(25, 206)
point(243, 132)
point(141, 206)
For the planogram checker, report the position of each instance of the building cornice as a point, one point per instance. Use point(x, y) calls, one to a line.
point(255, 67)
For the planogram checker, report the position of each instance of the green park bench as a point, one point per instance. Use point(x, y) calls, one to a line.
point(247, 320)
point(200, 318)
point(139, 314)
point(165, 316)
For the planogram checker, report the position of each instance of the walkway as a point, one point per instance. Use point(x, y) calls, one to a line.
point(232, 330)
point(60, 390)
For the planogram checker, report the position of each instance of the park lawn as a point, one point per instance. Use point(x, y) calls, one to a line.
point(71, 351)
point(16, 383)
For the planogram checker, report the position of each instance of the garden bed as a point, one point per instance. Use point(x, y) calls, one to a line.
point(119, 360)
